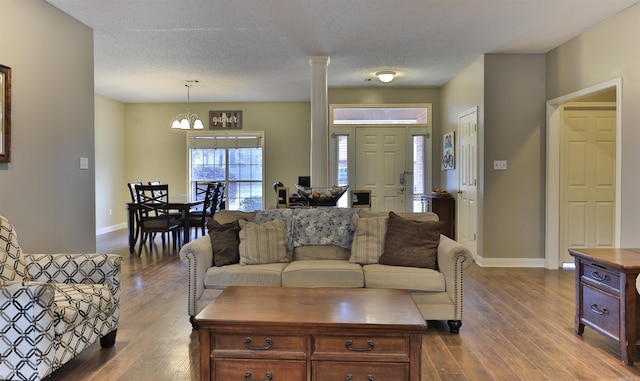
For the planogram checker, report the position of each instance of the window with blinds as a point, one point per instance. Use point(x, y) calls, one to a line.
point(234, 158)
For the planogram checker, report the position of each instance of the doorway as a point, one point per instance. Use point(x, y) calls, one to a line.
point(554, 244)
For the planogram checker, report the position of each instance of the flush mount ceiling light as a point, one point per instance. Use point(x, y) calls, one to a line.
point(187, 121)
point(386, 76)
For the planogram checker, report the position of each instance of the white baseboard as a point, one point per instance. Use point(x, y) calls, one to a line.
point(509, 262)
point(111, 228)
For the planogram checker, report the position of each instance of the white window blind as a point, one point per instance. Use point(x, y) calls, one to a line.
point(225, 140)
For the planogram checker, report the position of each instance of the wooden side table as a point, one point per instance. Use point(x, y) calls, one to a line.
point(444, 206)
point(606, 297)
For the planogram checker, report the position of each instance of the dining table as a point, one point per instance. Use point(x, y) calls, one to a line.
point(179, 202)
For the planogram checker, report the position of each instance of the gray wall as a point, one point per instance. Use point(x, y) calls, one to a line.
point(43, 191)
point(609, 51)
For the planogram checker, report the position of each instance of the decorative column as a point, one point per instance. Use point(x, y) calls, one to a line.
point(319, 162)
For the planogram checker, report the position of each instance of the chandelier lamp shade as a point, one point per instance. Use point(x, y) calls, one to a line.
point(187, 121)
point(386, 76)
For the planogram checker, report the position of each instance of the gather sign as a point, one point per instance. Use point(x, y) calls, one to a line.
point(225, 119)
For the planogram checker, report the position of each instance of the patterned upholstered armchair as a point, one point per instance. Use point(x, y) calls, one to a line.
point(52, 306)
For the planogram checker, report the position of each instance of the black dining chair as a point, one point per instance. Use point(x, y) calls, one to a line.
point(154, 216)
point(204, 190)
point(134, 199)
point(220, 198)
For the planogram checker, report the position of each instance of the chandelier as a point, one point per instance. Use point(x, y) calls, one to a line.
point(187, 121)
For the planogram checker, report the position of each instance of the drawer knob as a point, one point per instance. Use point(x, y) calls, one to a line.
point(247, 376)
point(247, 344)
point(599, 311)
point(596, 275)
point(351, 348)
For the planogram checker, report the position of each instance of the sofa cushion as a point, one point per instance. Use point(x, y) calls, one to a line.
point(225, 241)
point(76, 303)
point(239, 275)
point(408, 278)
point(368, 240)
point(411, 243)
point(308, 252)
point(263, 243)
point(323, 226)
point(322, 273)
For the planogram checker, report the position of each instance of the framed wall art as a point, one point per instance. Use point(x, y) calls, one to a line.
point(5, 114)
point(448, 151)
point(225, 120)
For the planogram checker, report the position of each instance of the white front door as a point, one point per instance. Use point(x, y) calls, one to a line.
point(381, 166)
point(587, 177)
point(467, 205)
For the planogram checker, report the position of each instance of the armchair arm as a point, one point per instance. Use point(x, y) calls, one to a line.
point(26, 320)
point(198, 255)
point(79, 269)
point(453, 258)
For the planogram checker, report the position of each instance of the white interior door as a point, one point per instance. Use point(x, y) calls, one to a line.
point(587, 177)
point(381, 166)
point(467, 205)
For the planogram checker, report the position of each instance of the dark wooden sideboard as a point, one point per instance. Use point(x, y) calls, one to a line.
point(444, 206)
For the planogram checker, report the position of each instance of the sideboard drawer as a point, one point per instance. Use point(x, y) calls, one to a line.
point(601, 276)
point(259, 342)
point(359, 371)
point(259, 370)
point(601, 310)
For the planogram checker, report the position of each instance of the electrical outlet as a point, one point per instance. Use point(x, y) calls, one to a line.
point(499, 165)
point(110, 212)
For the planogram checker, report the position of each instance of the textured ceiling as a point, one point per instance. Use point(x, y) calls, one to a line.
point(258, 50)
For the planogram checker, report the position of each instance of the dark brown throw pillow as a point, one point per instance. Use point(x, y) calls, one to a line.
point(411, 243)
point(224, 242)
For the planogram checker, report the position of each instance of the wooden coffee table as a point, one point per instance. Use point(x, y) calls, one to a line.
point(293, 334)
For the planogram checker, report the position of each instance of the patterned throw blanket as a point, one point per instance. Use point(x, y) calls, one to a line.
point(316, 226)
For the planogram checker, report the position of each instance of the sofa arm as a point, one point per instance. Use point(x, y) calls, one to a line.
point(453, 258)
point(198, 255)
point(26, 320)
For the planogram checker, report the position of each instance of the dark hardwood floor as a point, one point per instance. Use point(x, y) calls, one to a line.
point(517, 325)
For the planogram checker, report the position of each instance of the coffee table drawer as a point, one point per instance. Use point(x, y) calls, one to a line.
point(359, 371)
point(259, 342)
point(360, 345)
point(259, 370)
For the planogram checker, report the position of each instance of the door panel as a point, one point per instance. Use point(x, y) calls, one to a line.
point(380, 160)
point(467, 206)
point(587, 179)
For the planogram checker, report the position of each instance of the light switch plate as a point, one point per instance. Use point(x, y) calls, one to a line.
point(499, 165)
point(84, 163)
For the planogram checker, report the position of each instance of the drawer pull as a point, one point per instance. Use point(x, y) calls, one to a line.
point(350, 377)
point(369, 348)
point(247, 376)
point(595, 309)
point(247, 344)
point(596, 275)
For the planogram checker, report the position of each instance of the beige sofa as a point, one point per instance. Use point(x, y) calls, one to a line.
point(319, 255)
